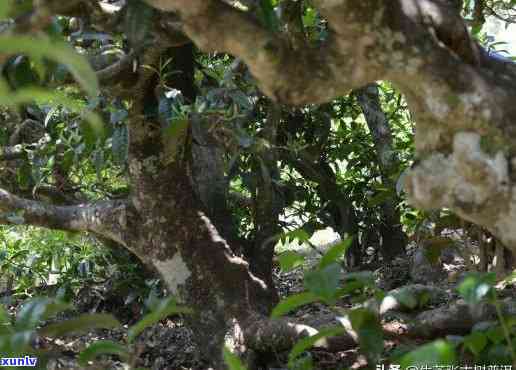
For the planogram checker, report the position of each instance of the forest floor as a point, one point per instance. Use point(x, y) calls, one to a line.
point(169, 345)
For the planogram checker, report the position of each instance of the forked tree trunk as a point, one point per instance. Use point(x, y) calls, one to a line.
point(171, 231)
point(174, 223)
point(171, 227)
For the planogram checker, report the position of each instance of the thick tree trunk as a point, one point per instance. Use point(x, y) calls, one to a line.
point(174, 222)
point(171, 231)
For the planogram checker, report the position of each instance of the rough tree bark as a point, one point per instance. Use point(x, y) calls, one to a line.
point(171, 229)
point(461, 97)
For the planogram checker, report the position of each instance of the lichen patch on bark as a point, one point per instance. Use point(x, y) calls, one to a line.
point(174, 271)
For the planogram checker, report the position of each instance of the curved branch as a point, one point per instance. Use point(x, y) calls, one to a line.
point(304, 75)
point(460, 95)
point(105, 218)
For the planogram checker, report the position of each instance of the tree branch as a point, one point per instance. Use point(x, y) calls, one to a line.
point(305, 75)
point(105, 218)
point(461, 96)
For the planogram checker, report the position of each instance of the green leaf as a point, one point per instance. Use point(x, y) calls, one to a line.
point(365, 278)
point(20, 73)
point(28, 95)
point(455, 340)
point(37, 310)
point(298, 234)
point(499, 354)
point(290, 260)
point(380, 198)
point(324, 282)
point(510, 321)
point(349, 288)
point(232, 360)
point(335, 252)
point(102, 347)
point(476, 29)
point(439, 352)
point(308, 342)
point(39, 48)
point(80, 324)
point(496, 334)
point(370, 333)
point(476, 287)
point(303, 363)
point(424, 299)
point(292, 302)
point(310, 17)
point(476, 342)
point(68, 160)
point(54, 307)
point(91, 133)
point(19, 7)
point(165, 308)
point(5, 322)
point(268, 16)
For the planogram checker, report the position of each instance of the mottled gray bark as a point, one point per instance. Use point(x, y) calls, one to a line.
point(107, 218)
point(170, 223)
